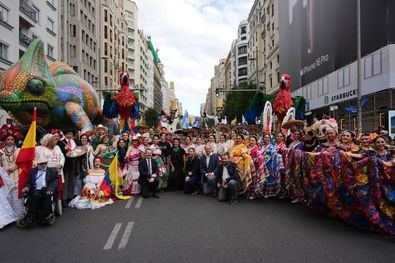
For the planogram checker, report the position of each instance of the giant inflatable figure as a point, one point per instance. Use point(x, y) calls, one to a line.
point(62, 98)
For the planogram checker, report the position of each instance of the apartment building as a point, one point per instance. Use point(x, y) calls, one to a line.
point(79, 30)
point(256, 56)
point(241, 46)
point(131, 15)
point(21, 21)
point(113, 44)
point(270, 35)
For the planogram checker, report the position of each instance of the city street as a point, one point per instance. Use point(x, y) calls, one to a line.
point(179, 228)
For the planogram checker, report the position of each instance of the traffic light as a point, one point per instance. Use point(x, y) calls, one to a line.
point(217, 92)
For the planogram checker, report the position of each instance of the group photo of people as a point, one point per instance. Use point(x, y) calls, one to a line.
point(338, 173)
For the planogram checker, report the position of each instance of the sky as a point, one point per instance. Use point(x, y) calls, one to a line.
point(192, 36)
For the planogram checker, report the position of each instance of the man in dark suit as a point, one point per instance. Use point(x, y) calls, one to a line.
point(228, 180)
point(149, 172)
point(209, 164)
point(192, 173)
point(40, 186)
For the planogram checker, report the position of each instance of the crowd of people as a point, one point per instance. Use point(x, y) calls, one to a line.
point(227, 164)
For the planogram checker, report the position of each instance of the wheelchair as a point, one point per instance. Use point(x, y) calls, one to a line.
point(56, 204)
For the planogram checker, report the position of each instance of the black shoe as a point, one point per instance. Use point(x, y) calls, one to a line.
point(233, 201)
point(156, 196)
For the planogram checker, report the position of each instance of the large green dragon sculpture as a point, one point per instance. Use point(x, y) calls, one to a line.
point(62, 98)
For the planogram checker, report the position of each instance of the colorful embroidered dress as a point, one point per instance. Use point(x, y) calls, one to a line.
point(239, 155)
point(274, 165)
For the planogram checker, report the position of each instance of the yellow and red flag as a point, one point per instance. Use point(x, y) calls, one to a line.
point(26, 155)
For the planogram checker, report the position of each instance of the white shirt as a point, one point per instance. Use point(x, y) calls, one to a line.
point(40, 179)
point(149, 166)
point(225, 174)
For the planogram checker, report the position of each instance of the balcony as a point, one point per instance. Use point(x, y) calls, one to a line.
point(28, 10)
point(24, 39)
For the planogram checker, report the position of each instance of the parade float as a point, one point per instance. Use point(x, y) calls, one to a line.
point(62, 98)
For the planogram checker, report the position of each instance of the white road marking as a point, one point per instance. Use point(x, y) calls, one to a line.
point(139, 202)
point(112, 236)
point(125, 236)
point(129, 203)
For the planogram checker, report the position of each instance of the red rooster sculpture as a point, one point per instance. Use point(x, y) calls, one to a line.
point(283, 101)
point(124, 100)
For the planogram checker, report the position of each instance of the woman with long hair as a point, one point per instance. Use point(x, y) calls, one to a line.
point(274, 165)
point(176, 179)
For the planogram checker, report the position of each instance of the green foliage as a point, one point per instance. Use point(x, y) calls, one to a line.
point(237, 102)
point(151, 117)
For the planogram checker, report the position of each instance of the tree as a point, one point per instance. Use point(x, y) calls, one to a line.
point(237, 102)
point(151, 117)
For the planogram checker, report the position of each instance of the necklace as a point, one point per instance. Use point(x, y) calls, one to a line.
point(9, 153)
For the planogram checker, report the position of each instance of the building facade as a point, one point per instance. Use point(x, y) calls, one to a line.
point(256, 56)
point(113, 45)
point(336, 93)
point(131, 15)
point(79, 37)
point(241, 47)
point(24, 20)
point(270, 35)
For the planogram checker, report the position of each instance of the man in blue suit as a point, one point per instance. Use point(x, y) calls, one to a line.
point(209, 164)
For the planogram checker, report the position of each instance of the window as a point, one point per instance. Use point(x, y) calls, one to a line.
point(105, 67)
point(50, 24)
point(35, 14)
point(323, 86)
point(105, 16)
point(306, 92)
point(242, 50)
point(343, 77)
point(243, 30)
point(50, 50)
point(105, 32)
point(3, 14)
point(373, 65)
point(242, 71)
point(3, 51)
point(242, 61)
point(106, 81)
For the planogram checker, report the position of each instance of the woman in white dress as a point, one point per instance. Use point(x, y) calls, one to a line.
point(95, 193)
point(8, 156)
point(199, 146)
point(212, 143)
point(222, 146)
point(52, 152)
point(7, 213)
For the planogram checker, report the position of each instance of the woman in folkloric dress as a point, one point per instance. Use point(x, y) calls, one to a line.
point(133, 156)
point(7, 213)
point(94, 194)
point(8, 156)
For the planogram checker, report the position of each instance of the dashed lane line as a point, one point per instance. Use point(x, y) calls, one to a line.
point(139, 202)
point(125, 236)
point(129, 203)
point(112, 236)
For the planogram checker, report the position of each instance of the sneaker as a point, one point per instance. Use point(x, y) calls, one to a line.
point(195, 193)
point(295, 201)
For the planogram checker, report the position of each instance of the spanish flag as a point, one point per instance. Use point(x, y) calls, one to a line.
point(115, 179)
point(26, 155)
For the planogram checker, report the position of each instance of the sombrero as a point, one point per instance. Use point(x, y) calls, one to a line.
point(181, 131)
point(224, 128)
point(287, 125)
point(141, 127)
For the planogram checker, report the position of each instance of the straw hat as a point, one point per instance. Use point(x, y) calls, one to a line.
point(287, 125)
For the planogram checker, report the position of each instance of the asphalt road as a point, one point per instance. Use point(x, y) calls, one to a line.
point(179, 228)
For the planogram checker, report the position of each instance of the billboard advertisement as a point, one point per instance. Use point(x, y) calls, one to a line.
point(318, 37)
